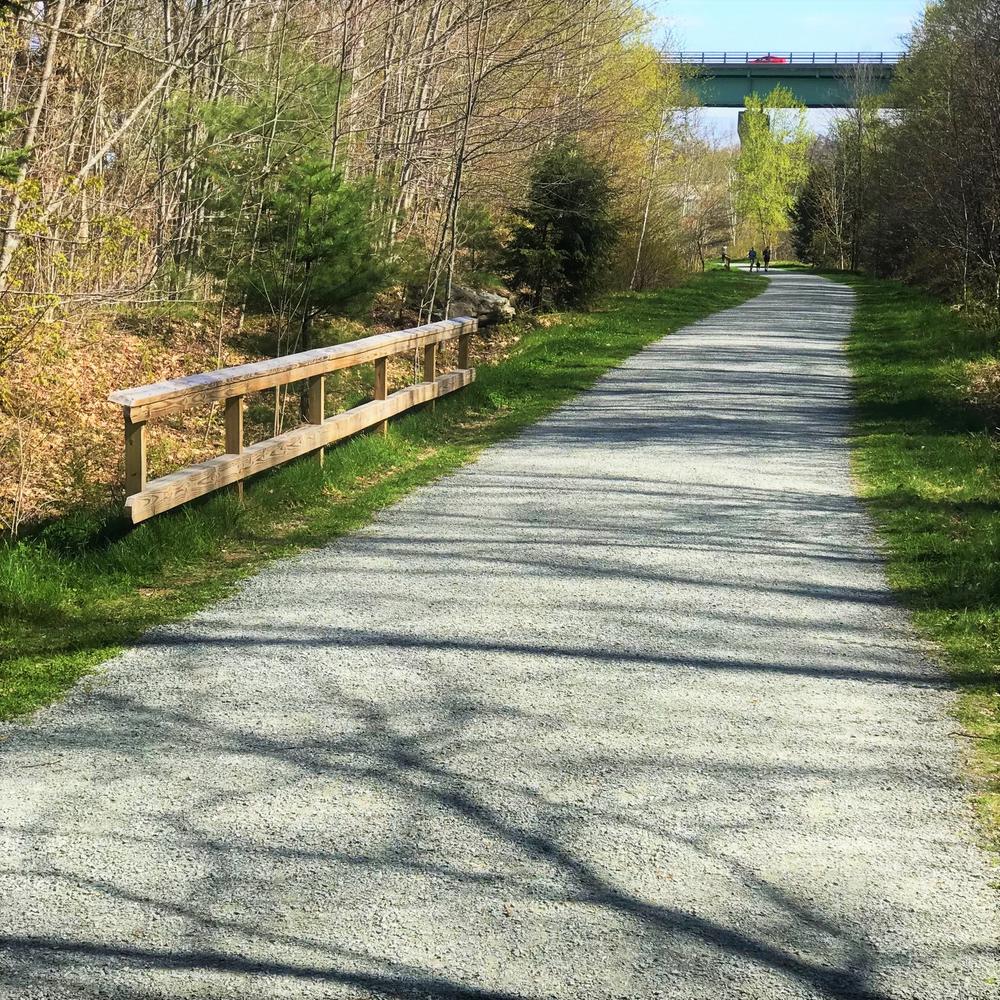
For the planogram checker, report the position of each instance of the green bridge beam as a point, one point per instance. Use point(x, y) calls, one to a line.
point(718, 84)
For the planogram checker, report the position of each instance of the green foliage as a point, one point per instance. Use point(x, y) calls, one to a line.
point(836, 211)
point(273, 117)
point(479, 236)
point(11, 160)
point(290, 236)
point(68, 599)
point(314, 246)
point(927, 464)
point(773, 161)
point(563, 240)
point(807, 221)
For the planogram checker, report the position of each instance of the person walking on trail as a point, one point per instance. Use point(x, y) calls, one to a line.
point(725, 257)
point(767, 258)
point(752, 257)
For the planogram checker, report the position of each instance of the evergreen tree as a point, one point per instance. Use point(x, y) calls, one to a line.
point(10, 159)
point(562, 244)
point(290, 236)
point(315, 248)
point(807, 220)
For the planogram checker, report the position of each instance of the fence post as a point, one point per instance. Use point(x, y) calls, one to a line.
point(233, 417)
point(315, 405)
point(135, 455)
point(430, 365)
point(381, 391)
point(430, 362)
point(463, 350)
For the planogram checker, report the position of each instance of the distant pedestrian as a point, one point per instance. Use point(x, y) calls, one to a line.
point(725, 257)
point(752, 257)
point(767, 258)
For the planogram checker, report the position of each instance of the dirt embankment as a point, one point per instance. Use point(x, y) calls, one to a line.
point(60, 438)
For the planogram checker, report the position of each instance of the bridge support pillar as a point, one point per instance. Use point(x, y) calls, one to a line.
point(741, 124)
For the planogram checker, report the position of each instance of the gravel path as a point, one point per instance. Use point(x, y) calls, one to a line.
point(623, 710)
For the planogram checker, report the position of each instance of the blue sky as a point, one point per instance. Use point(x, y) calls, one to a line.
point(793, 25)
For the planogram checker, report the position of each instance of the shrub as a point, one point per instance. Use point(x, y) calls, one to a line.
point(562, 243)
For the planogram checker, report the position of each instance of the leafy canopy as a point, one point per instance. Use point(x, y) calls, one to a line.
point(773, 161)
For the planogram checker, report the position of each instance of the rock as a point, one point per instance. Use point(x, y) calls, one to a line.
point(487, 307)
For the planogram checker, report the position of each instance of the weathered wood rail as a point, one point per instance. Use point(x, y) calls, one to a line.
point(146, 498)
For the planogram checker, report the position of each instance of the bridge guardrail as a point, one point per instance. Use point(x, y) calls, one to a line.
point(144, 499)
point(787, 58)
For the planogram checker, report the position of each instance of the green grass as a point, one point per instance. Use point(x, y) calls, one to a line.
point(791, 265)
point(928, 468)
point(75, 594)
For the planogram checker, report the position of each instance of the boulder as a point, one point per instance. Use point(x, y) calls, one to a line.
point(487, 307)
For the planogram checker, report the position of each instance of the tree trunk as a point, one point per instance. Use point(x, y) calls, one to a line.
point(10, 238)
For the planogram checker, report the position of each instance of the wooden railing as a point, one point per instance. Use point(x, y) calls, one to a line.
point(145, 498)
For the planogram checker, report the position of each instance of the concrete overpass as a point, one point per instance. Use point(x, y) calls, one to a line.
point(817, 79)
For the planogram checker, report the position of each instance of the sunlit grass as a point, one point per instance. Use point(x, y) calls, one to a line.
point(928, 466)
point(74, 595)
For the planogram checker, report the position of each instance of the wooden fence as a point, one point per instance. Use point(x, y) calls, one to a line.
point(144, 499)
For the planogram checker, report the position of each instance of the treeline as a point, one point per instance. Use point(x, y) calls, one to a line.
point(913, 192)
point(272, 164)
point(298, 155)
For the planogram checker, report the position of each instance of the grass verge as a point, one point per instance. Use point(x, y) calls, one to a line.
point(78, 592)
point(927, 460)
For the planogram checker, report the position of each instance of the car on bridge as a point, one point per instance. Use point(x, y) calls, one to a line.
point(769, 59)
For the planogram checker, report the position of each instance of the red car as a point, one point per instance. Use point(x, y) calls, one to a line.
point(770, 59)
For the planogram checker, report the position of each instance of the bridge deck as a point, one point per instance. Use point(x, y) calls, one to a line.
point(816, 79)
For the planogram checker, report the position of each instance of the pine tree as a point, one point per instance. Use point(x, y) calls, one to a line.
point(561, 246)
point(314, 249)
point(10, 159)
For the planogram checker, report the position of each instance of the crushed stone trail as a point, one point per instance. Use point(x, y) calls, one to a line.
point(622, 710)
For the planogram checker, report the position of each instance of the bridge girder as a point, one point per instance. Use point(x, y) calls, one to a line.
point(815, 86)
